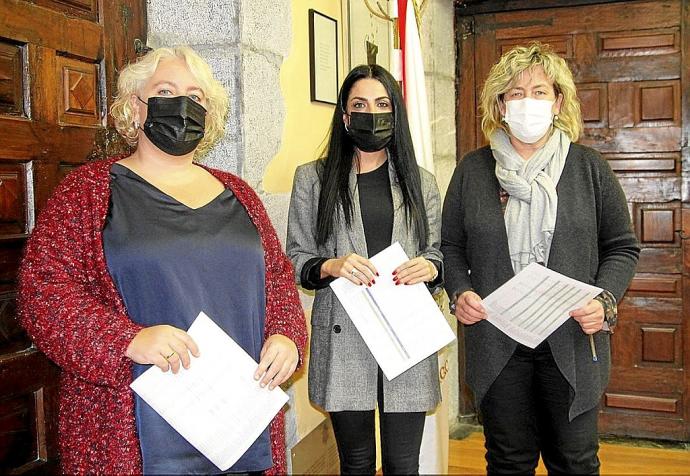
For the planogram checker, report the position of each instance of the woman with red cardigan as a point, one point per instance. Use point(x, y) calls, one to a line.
point(126, 254)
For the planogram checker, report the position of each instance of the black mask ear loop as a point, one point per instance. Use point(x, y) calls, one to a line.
point(342, 108)
point(137, 124)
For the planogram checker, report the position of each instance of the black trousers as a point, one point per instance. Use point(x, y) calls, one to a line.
point(525, 412)
point(401, 439)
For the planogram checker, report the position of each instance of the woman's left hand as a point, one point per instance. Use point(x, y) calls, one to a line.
point(590, 317)
point(416, 270)
point(278, 362)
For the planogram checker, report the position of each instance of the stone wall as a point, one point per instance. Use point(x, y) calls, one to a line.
point(245, 42)
point(438, 48)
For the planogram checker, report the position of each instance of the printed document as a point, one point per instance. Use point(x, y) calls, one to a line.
point(401, 325)
point(536, 302)
point(216, 404)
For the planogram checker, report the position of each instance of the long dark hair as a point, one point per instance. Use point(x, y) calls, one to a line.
point(334, 167)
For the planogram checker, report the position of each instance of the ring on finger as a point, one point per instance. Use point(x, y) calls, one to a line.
point(354, 272)
point(166, 357)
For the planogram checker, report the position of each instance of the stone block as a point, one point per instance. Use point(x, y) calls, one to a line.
point(445, 166)
point(443, 37)
point(263, 114)
point(277, 206)
point(226, 64)
point(225, 155)
point(437, 37)
point(426, 39)
point(193, 22)
point(443, 116)
point(266, 25)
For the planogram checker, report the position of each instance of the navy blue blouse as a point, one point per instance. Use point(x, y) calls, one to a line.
point(169, 262)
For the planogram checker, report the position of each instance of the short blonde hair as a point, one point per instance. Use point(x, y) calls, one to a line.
point(510, 66)
point(135, 75)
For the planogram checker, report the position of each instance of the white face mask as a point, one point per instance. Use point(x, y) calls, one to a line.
point(528, 118)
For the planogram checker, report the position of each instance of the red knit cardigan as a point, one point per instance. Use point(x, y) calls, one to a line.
point(74, 314)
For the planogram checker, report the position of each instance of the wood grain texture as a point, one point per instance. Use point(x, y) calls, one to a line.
point(660, 344)
point(58, 64)
point(565, 21)
point(627, 62)
point(467, 457)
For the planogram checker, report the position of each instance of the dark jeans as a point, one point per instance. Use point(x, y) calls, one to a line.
point(525, 412)
point(401, 439)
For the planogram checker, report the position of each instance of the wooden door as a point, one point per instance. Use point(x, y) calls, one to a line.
point(627, 60)
point(58, 63)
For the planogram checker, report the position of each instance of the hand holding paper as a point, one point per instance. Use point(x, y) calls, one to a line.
point(590, 316)
point(416, 270)
point(401, 325)
point(352, 267)
point(469, 309)
point(216, 404)
point(535, 303)
point(164, 346)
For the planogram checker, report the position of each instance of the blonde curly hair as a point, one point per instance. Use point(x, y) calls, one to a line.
point(509, 67)
point(135, 75)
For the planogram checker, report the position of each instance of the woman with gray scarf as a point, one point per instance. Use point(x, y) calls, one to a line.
point(534, 195)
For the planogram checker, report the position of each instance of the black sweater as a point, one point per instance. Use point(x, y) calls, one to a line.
point(593, 242)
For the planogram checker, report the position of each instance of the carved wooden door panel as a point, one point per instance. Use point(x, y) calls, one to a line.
point(627, 59)
point(58, 62)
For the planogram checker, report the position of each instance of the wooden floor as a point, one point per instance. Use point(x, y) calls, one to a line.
point(467, 457)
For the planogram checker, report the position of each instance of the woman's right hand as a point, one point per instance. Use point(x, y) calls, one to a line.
point(163, 346)
point(469, 309)
point(356, 268)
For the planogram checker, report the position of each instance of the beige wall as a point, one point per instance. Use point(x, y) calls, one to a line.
point(304, 133)
point(306, 122)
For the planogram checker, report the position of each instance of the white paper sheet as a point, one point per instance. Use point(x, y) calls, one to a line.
point(401, 325)
point(216, 405)
point(536, 302)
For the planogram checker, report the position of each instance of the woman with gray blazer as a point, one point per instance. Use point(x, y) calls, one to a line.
point(366, 194)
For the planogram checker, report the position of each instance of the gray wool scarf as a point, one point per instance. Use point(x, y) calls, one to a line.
point(530, 214)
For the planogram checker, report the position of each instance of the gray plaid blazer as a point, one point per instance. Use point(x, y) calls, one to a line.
point(342, 370)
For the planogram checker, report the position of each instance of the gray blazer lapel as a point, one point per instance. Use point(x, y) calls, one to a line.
point(399, 225)
point(356, 230)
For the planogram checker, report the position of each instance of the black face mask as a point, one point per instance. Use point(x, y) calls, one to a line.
point(371, 131)
point(175, 124)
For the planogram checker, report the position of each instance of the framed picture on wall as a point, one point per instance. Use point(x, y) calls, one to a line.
point(323, 57)
point(368, 38)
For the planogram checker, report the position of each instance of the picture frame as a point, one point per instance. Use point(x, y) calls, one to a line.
point(323, 57)
point(365, 33)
